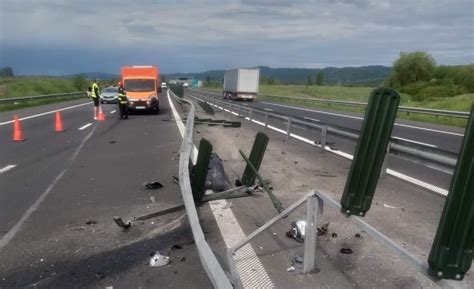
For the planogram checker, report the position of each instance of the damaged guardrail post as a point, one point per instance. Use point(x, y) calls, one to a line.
point(199, 174)
point(266, 119)
point(309, 262)
point(453, 247)
point(324, 133)
point(370, 151)
point(256, 157)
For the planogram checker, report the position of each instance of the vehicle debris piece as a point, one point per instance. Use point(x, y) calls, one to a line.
point(291, 269)
point(357, 235)
point(112, 141)
point(297, 231)
point(345, 250)
point(176, 180)
point(299, 259)
point(91, 222)
point(323, 230)
point(158, 260)
point(152, 185)
point(176, 246)
point(334, 235)
point(121, 224)
point(216, 179)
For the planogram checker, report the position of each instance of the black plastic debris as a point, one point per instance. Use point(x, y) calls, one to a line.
point(357, 235)
point(345, 250)
point(153, 185)
point(216, 179)
point(176, 246)
point(297, 231)
point(334, 235)
point(323, 230)
point(112, 141)
point(299, 259)
point(91, 222)
point(121, 224)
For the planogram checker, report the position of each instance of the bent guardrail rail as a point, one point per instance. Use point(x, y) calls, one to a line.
point(407, 109)
point(212, 267)
point(38, 97)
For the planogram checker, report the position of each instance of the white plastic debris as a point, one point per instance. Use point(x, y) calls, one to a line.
point(290, 269)
point(158, 260)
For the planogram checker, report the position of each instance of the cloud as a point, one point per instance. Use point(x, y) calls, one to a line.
point(220, 34)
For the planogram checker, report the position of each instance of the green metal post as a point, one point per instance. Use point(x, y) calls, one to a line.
point(198, 179)
point(453, 246)
point(370, 151)
point(256, 157)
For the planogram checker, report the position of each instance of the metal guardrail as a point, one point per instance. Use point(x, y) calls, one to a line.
point(407, 109)
point(428, 156)
point(37, 97)
point(212, 267)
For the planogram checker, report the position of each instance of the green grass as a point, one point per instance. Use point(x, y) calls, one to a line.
point(21, 105)
point(361, 94)
point(26, 86)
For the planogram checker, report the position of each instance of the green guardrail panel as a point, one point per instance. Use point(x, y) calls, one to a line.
point(177, 89)
point(198, 180)
point(256, 157)
point(452, 250)
point(370, 151)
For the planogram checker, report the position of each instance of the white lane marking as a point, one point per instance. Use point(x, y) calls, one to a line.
point(246, 259)
point(391, 172)
point(85, 126)
point(113, 111)
point(417, 142)
point(15, 229)
point(267, 109)
point(313, 119)
point(356, 117)
point(46, 113)
point(7, 168)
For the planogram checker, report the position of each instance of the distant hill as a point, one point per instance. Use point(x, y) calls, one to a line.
point(364, 75)
point(95, 75)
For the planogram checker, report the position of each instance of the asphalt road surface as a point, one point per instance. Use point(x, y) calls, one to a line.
point(442, 137)
point(60, 191)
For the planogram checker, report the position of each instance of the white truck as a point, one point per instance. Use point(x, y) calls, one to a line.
point(241, 83)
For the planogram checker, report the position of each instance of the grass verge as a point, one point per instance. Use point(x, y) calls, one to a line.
point(26, 104)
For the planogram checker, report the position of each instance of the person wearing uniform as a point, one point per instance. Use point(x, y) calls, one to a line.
point(95, 94)
point(122, 102)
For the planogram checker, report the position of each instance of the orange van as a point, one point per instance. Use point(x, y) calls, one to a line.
point(141, 85)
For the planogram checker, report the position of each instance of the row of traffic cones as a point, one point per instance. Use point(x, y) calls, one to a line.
point(58, 124)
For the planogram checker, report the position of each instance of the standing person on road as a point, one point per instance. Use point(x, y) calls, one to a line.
point(122, 101)
point(95, 94)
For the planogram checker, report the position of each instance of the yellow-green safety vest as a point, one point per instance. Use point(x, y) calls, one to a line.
point(94, 87)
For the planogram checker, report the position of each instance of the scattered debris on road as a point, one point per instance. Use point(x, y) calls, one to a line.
point(91, 222)
point(152, 199)
point(152, 185)
point(121, 224)
point(299, 259)
point(176, 246)
point(334, 235)
point(346, 250)
point(357, 235)
point(323, 230)
point(158, 260)
point(112, 141)
point(176, 180)
point(297, 231)
point(291, 269)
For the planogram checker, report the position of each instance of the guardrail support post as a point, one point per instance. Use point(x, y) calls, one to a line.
point(288, 128)
point(370, 151)
point(266, 119)
point(453, 247)
point(324, 133)
point(199, 174)
point(256, 157)
point(309, 261)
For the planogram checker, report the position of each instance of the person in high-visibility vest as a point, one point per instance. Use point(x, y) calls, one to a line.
point(95, 95)
point(122, 101)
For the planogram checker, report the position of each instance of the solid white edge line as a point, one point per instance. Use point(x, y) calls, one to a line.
point(391, 172)
point(46, 113)
point(251, 271)
point(7, 168)
point(85, 126)
point(360, 118)
point(414, 141)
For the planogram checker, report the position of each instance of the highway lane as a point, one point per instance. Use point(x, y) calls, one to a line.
point(61, 181)
point(346, 146)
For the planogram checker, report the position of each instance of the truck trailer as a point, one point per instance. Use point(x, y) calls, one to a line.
point(141, 85)
point(241, 84)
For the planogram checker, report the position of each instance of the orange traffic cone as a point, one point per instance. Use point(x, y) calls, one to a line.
point(17, 134)
point(58, 123)
point(101, 115)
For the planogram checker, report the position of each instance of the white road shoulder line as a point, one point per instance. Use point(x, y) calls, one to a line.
point(361, 118)
point(113, 111)
point(250, 269)
point(6, 168)
point(85, 126)
point(46, 113)
point(413, 141)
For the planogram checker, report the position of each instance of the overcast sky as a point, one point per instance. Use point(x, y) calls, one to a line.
point(69, 36)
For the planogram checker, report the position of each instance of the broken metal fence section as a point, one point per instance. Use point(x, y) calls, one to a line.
point(453, 247)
